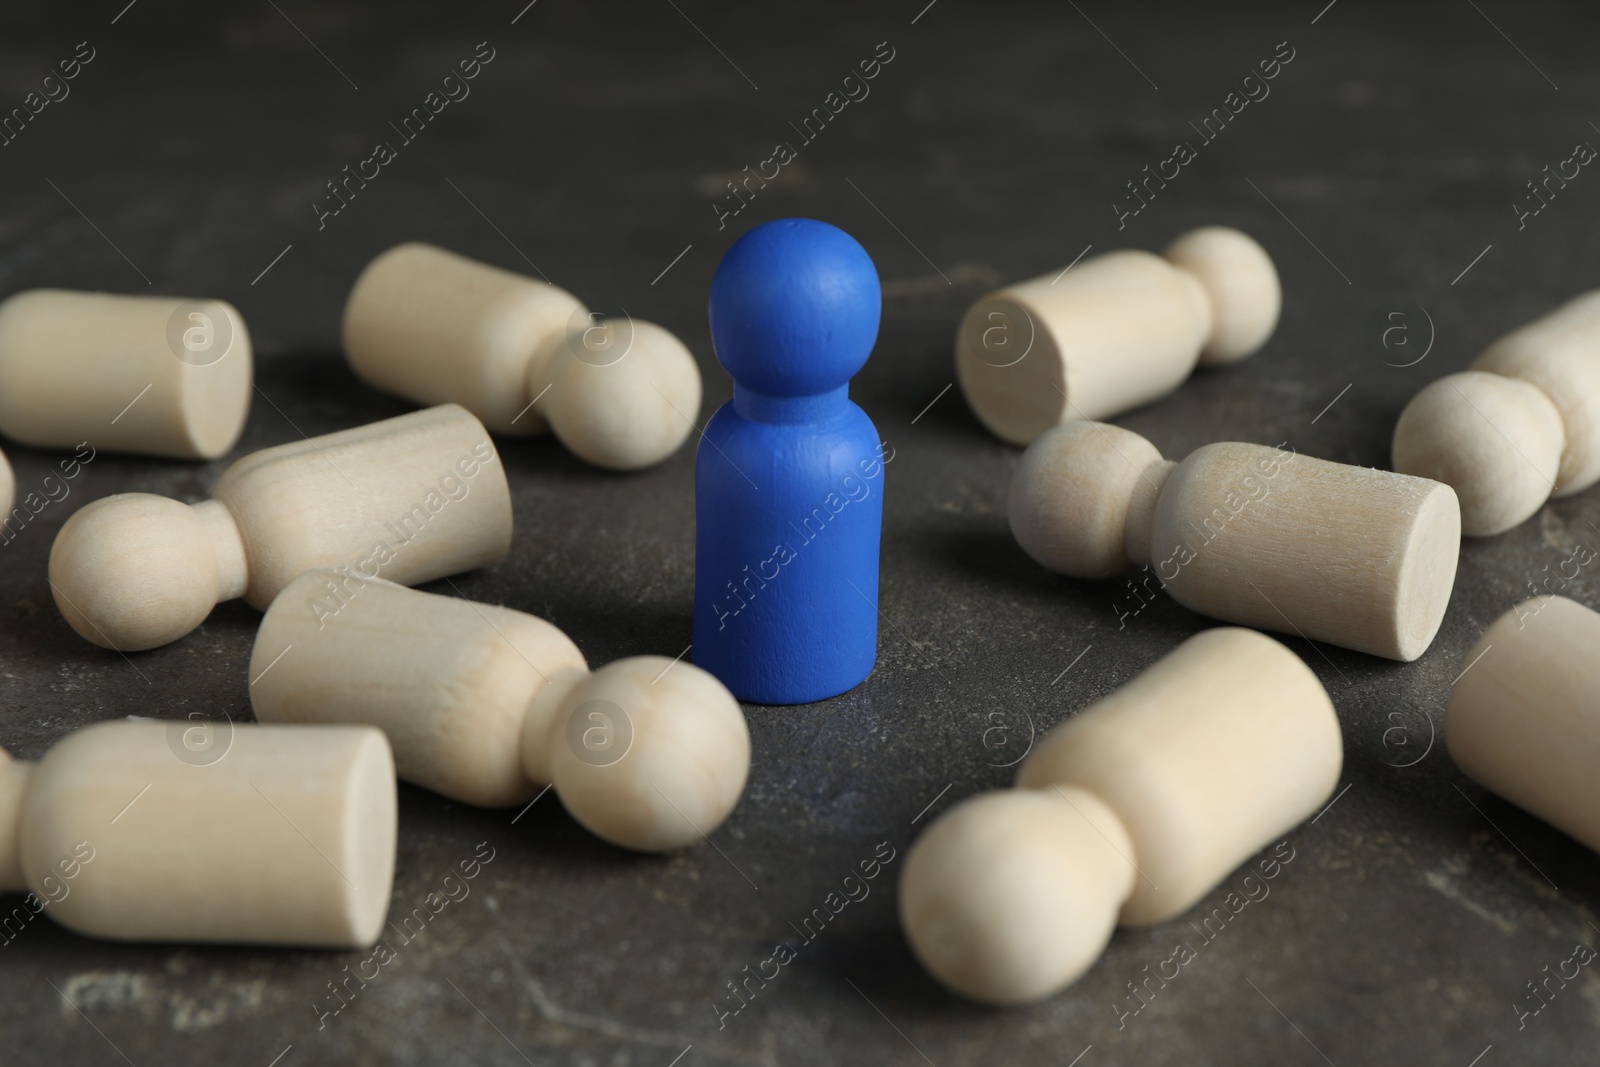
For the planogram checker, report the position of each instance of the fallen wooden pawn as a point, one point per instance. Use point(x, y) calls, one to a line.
point(487, 705)
point(1127, 813)
point(1361, 558)
point(411, 498)
point(1524, 717)
point(201, 831)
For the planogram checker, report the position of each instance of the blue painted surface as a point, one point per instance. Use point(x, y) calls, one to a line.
point(789, 475)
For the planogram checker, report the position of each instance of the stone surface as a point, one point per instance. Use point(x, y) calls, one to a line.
point(990, 148)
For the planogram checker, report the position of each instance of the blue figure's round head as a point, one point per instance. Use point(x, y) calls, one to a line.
point(794, 308)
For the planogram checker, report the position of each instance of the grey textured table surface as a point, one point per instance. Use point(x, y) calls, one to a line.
point(1384, 163)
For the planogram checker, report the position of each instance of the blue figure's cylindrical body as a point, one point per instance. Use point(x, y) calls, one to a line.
point(789, 476)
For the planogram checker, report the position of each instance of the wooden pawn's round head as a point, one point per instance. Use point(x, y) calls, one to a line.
point(624, 393)
point(1083, 499)
point(1241, 287)
point(1496, 441)
point(1010, 896)
point(647, 752)
point(134, 571)
point(794, 309)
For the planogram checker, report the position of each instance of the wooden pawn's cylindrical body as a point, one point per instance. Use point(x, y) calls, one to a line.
point(200, 831)
point(1221, 746)
point(159, 375)
point(1358, 557)
point(1524, 717)
point(449, 681)
point(1112, 333)
point(438, 328)
point(410, 499)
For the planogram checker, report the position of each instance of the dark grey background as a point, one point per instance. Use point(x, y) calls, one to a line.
point(1384, 162)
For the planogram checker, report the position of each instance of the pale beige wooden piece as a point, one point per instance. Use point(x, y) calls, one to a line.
point(1361, 558)
point(1497, 441)
point(160, 375)
point(1524, 717)
point(486, 705)
point(206, 832)
point(1072, 499)
point(1114, 332)
point(13, 784)
point(1129, 812)
point(1558, 355)
point(1010, 896)
point(1241, 285)
point(8, 487)
point(522, 355)
point(412, 498)
point(1521, 425)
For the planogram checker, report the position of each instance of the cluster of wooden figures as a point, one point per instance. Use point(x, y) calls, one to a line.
point(283, 831)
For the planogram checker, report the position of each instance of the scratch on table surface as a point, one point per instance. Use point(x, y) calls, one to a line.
point(613, 1028)
point(1446, 886)
point(977, 275)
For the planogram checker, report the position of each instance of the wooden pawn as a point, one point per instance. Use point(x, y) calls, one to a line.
point(1361, 558)
point(1114, 332)
point(1524, 717)
point(411, 498)
point(1521, 425)
point(1128, 813)
point(488, 705)
point(203, 831)
point(158, 375)
point(523, 355)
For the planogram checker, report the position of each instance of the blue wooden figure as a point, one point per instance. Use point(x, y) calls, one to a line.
point(789, 474)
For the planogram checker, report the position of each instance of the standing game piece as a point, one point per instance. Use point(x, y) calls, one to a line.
point(436, 327)
point(1518, 427)
point(1361, 558)
point(411, 498)
point(1114, 332)
point(485, 704)
point(1524, 718)
point(1129, 813)
point(159, 375)
point(202, 831)
point(789, 475)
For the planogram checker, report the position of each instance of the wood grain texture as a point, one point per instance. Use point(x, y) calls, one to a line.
point(1362, 558)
